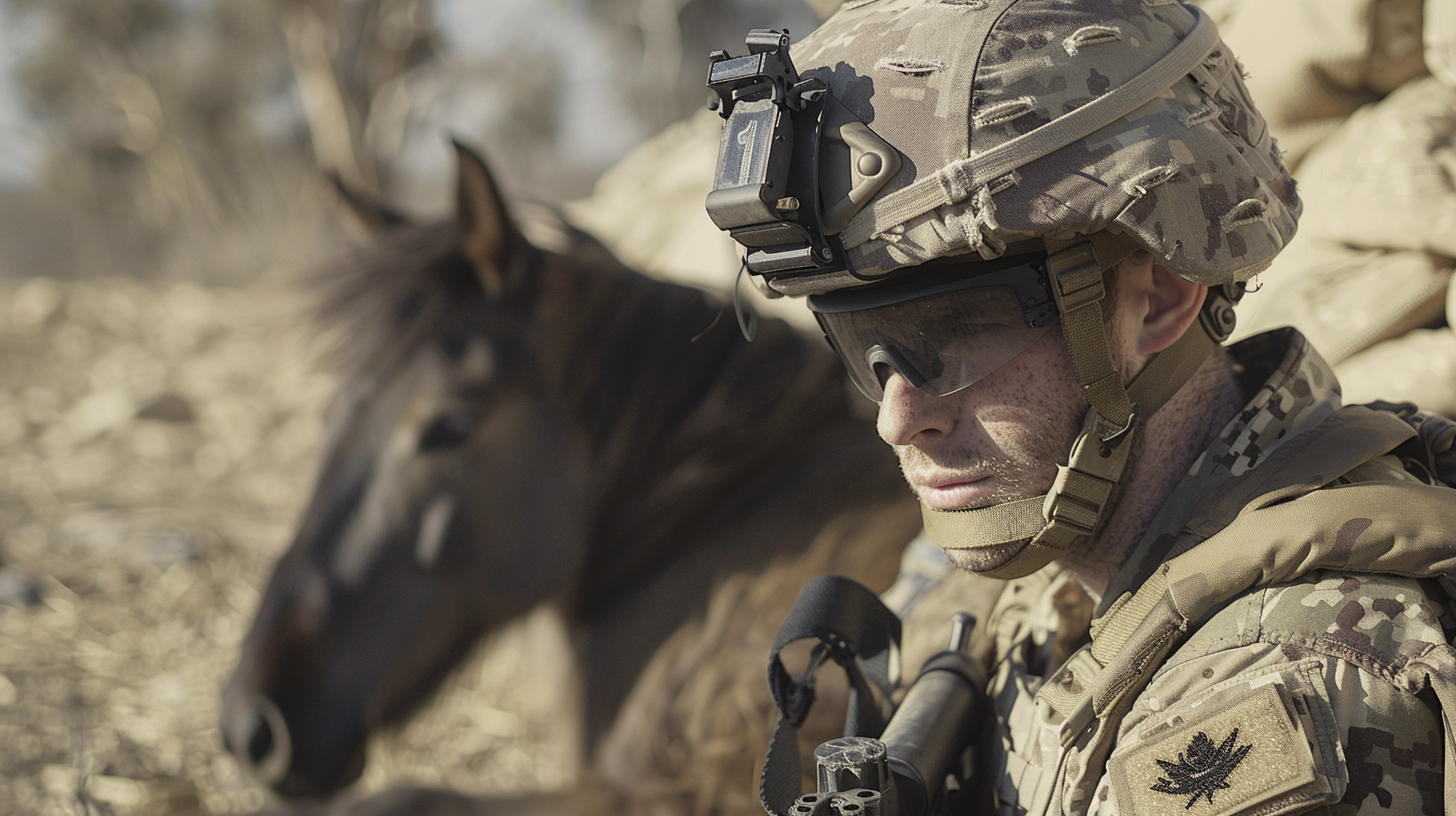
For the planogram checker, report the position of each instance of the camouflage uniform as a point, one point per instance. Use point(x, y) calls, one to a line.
point(1325, 644)
point(1086, 130)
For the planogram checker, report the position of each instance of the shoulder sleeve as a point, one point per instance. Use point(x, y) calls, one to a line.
point(1304, 679)
point(1393, 743)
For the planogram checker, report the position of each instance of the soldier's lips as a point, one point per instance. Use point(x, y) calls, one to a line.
point(954, 492)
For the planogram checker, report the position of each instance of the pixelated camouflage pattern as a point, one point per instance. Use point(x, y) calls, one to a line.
point(1334, 639)
point(1337, 638)
point(1192, 173)
point(1342, 646)
point(1299, 391)
point(1038, 622)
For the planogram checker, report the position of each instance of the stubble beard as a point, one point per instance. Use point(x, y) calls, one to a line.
point(1013, 478)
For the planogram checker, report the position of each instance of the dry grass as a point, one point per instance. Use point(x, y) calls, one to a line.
point(156, 443)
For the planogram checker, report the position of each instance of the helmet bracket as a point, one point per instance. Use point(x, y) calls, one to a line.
point(788, 146)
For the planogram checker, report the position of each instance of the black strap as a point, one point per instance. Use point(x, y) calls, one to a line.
point(1434, 448)
point(860, 634)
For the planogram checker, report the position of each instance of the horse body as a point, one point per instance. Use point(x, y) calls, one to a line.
point(518, 426)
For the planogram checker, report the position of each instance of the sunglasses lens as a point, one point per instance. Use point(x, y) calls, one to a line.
point(941, 343)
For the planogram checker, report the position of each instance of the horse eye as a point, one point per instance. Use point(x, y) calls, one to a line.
point(446, 432)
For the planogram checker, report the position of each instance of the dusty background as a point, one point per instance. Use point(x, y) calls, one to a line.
point(157, 441)
point(160, 410)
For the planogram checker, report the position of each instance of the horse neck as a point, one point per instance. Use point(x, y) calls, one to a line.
point(685, 416)
point(639, 357)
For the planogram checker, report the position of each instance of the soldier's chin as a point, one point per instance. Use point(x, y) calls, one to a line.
point(988, 558)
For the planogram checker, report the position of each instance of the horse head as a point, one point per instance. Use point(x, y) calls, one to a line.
point(448, 422)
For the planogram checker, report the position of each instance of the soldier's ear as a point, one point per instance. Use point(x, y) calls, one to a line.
point(490, 236)
point(371, 214)
point(1154, 305)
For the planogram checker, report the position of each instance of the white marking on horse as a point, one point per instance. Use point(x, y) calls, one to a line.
point(382, 509)
point(478, 363)
point(364, 537)
point(433, 524)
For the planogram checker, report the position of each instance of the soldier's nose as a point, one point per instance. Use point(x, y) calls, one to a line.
point(908, 414)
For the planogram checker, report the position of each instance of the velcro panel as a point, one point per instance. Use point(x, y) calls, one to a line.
point(1246, 753)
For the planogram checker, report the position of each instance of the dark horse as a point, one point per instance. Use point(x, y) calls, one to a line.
point(520, 425)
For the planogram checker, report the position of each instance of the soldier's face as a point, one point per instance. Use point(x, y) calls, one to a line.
point(996, 441)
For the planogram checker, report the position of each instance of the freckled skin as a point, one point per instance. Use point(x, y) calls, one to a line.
point(1018, 424)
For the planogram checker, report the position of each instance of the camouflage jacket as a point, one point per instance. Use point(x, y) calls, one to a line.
point(1283, 701)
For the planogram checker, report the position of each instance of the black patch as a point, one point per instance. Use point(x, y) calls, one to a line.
point(1202, 769)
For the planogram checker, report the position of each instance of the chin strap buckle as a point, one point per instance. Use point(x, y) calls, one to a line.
point(1079, 497)
point(1116, 437)
point(1075, 504)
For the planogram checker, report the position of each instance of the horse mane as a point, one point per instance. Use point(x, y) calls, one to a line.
point(684, 416)
point(412, 282)
point(378, 302)
point(695, 424)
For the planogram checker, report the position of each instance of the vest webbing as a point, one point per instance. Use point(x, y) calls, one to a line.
point(1273, 527)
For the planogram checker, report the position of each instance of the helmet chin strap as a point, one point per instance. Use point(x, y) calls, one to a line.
point(1077, 505)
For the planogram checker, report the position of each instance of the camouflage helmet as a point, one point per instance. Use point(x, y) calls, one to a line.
point(1050, 119)
point(1070, 132)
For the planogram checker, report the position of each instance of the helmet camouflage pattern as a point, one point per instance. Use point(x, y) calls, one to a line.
point(1190, 171)
point(1079, 130)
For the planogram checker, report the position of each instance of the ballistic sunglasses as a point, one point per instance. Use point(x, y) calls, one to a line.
point(943, 328)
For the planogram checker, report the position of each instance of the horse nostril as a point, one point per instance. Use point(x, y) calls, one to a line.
point(260, 739)
point(258, 735)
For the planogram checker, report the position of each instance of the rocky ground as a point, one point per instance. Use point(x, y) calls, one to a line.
point(156, 443)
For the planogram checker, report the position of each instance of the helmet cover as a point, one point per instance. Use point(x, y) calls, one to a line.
point(1191, 172)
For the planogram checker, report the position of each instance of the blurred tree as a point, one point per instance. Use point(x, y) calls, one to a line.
point(673, 38)
point(187, 119)
point(195, 128)
point(351, 60)
point(145, 106)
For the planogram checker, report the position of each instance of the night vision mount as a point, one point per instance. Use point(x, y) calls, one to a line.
point(794, 165)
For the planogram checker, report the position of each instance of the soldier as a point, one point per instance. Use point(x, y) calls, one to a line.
point(1017, 209)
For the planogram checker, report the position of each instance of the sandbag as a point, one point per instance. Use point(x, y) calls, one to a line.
point(1387, 177)
point(1346, 299)
point(1313, 62)
point(1439, 34)
point(1419, 366)
point(1376, 246)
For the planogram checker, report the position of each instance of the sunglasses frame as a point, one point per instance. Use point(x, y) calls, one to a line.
point(1025, 275)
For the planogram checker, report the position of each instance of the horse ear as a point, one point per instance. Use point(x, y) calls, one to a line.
point(371, 213)
point(489, 234)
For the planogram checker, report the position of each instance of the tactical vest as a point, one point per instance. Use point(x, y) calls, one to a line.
point(1326, 499)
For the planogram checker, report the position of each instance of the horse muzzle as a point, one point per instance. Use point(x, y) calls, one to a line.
point(256, 733)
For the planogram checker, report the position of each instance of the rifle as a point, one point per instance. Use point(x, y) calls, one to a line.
point(919, 762)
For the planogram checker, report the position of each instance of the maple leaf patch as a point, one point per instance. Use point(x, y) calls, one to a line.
point(1202, 768)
